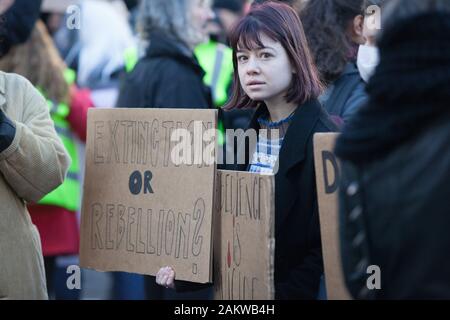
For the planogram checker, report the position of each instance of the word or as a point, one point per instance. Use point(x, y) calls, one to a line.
point(135, 182)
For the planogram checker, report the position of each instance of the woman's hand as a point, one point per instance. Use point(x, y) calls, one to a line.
point(166, 277)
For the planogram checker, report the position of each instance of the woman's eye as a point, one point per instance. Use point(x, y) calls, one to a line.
point(242, 58)
point(265, 55)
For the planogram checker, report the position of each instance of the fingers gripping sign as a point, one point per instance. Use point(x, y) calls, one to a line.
point(166, 277)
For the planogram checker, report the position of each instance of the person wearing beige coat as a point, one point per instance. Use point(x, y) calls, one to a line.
point(33, 162)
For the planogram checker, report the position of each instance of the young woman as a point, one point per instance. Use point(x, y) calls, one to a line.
point(276, 75)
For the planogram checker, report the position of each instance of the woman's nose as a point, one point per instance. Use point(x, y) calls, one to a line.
point(253, 66)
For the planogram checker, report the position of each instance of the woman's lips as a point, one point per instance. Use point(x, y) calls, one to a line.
point(255, 84)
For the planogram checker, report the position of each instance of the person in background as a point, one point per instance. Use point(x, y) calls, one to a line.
point(96, 49)
point(169, 75)
point(394, 195)
point(33, 162)
point(334, 29)
point(17, 18)
point(277, 77)
point(368, 55)
point(227, 14)
point(215, 58)
point(55, 215)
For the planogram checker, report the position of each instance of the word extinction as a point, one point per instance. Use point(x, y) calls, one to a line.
point(155, 143)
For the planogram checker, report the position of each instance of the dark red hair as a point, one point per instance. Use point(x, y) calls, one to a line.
point(281, 23)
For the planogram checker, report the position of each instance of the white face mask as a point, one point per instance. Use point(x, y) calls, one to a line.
point(368, 59)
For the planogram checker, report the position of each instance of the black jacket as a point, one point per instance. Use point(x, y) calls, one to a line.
point(17, 23)
point(395, 214)
point(346, 95)
point(168, 76)
point(298, 252)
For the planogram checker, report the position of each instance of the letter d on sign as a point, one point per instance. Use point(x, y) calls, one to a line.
point(330, 187)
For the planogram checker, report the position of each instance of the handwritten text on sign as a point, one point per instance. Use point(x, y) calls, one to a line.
point(244, 239)
point(141, 209)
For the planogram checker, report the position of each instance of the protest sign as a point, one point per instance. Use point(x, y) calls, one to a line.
point(244, 241)
point(327, 179)
point(143, 208)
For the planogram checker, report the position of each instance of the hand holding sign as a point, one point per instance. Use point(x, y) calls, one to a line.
point(166, 277)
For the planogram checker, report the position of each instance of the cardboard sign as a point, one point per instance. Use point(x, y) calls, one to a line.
point(327, 179)
point(141, 209)
point(244, 240)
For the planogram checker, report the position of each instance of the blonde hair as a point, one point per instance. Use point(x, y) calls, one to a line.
point(39, 61)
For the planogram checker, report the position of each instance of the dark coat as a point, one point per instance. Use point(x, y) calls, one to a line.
point(346, 95)
point(298, 251)
point(394, 214)
point(17, 23)
point(168, 76)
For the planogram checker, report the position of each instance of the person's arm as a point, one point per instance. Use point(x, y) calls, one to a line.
point(34, 162)
point(80, 103)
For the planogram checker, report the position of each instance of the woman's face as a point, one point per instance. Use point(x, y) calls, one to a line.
point(200, 15)
point(265, 73)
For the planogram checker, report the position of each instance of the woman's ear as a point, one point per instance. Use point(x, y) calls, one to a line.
point(357, 30)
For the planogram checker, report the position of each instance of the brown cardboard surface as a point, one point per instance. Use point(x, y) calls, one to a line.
point(244, 236)
point(140, 210)
point(327, 178)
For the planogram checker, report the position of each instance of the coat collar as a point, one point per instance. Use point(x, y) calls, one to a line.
point(296, 139)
